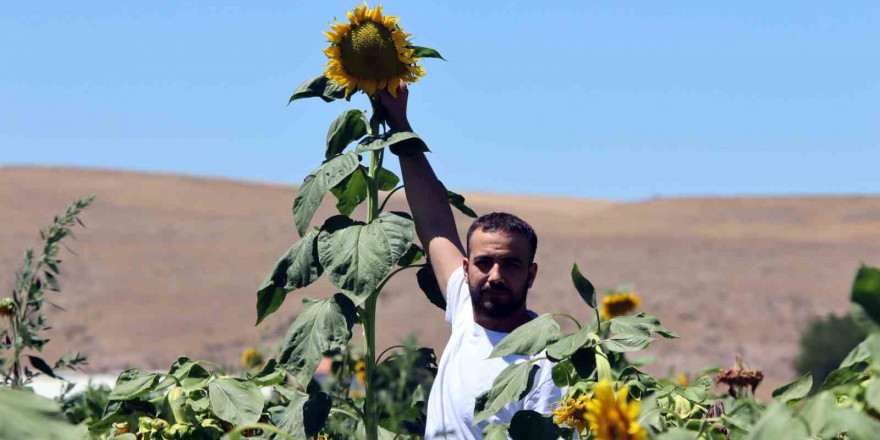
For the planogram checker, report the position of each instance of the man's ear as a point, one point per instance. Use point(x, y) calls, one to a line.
point(464, 266)
point(533, 272)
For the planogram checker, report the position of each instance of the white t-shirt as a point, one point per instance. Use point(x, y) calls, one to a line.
point(465, 372)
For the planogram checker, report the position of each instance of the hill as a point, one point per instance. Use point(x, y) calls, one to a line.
point(169, 265)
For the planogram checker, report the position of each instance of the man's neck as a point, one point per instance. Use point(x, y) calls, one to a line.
point(504, 324)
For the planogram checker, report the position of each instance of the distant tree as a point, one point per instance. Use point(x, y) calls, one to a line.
point(825, 344)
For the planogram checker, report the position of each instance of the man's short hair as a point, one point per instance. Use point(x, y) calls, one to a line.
point(506, 223)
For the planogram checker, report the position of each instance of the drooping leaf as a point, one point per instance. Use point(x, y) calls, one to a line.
point(322, 327)
point(234, 401)
point(269, 375)
point(25, 415)
point(457, 201)
point(563, 374)
point(412, 256)
point(495, 432)
point(425, 52)
point(351, 192)
point(858, 354)
point(348, 127)
point(390, 139)
point(624, 343)
point(297, 268)
point(698, 390)
point(584, 286)
point(796, 390)
point(133, 383)
point(318, 87)
point(190, 374)
point(530, 338)
point(41, 366)
point(531, 425)
point(511, 385)
point(305, 415)
point(386, 180)
point(358, 256)
point(851, 374)
point(568, 344)
point(317, 183)
point(428, 283)
point(866, 299)
point(639, 324)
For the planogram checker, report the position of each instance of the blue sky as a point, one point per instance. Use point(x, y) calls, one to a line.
point(607, 99)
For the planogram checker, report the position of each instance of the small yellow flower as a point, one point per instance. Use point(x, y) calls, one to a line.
point(619, 304)
point(572, 413)
point(613, 417)
point(251, 358)
point(370, 53)
point(682, 380)
point(7, 307)
point(360, 370)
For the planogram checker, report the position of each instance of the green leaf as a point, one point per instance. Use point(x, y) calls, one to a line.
point(133, 383)
point(796, 390)
point(297, 268)
point(638, 325)
point(351, 192)
point(386, 180)
point(235, 401)
point(425, 52)
point(412, 256)
point(866, 299)
point(495, 432)
point(530, 425)
point(528, 339)
point(699, 389)
point(851, 374)
point(127, 436)
point(358, 256)
point(348, 127)
point(858, 354)
point(624, 343)
point(563, 374)
point(568, 344)
point(305, 415)
point(584, 362)
point(269, 375)
point(872, 394)
point(373, 143)
point(41, 366)
point(322, 327)
point(457, 201)
point(856, 424)
point(25, 415)
point(318, 87)
point(511, 385)
point(428, 283)
point(584, 286)
point(678, 434)
point(317, 183)
point(191, 375)
point(816, 410)
point(779, 422)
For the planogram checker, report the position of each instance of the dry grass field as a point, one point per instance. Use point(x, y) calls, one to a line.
point(169, 265)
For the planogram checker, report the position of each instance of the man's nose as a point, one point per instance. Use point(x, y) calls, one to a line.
point(495, 274)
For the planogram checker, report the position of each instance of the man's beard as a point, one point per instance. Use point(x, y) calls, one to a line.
point(487, 305)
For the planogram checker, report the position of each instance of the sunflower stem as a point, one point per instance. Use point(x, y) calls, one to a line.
point(371, 426)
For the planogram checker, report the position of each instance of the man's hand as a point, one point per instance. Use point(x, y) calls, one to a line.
point(395, 108)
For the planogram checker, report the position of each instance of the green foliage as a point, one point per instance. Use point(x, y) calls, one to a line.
point(85, 407)
point(24, 324)
point(825, 344)
point(318, 87)
point(25, 415)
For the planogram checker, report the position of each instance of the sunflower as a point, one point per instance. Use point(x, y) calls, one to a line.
point(360, 371)
point(572, 413)
point(613, 418)
point(7, 307)
point(251, 358)
point(370, 53)
point(619, 303)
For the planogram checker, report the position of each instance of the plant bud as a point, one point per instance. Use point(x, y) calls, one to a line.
point(122, 428)
point(7, 307)
point(159, 424)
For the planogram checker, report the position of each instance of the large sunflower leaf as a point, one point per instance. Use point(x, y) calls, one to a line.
point(568, 344)
point(322, 327)
point(511, 385)
point(297, 268)
point(318, 87)
point(373, 143)
point(625, 343)
point(25, 415)
point(794, 391)
point(351, 192)
point(348, 127)
point(317, 183)
point(234, 401)
point(495, 432)
point(305, 415)
point(584, 286)
point(530, 338)
point(866, 299)
point(386, 180)
point(358, 256)
point(133, 383)
point(425, 52)
point(639, 324)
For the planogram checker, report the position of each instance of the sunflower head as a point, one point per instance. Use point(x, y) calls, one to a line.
point(619, 303)
point(370, 52)
point(572, 413)
point(613, 417)
point(251, 358)
point(360, 371)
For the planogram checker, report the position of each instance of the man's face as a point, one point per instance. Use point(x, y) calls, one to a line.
point(499, 272)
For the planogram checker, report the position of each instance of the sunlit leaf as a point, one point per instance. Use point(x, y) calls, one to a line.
point(316, 184)
point(318, 87)
point(528, 339)
point(584, 286)
point(234, 401)
point(133, 383)
point(351, 192)
point(796, 390)
point(25, 415)
point(511, 385)
point(425, 52)
point(297, 268)
point(348, 127)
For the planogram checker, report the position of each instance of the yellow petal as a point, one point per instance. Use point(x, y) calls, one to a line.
point(333, 37)
point(333, 52)
point(390, 21)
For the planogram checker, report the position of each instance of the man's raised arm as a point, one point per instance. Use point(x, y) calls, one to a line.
point(435, 224)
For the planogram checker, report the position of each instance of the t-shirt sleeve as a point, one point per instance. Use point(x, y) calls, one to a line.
point(457, 295)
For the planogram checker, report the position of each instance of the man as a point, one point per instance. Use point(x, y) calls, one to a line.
point(485, 295)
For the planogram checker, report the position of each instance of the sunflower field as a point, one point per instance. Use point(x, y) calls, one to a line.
point(382, 394)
